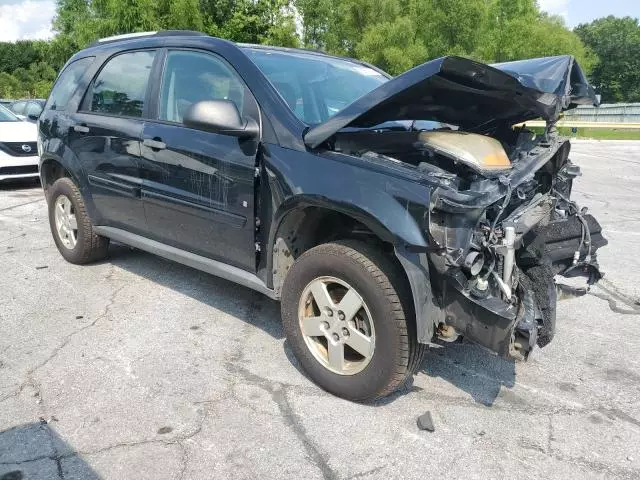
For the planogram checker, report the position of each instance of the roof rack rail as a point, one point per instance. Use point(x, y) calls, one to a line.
point(163, 33)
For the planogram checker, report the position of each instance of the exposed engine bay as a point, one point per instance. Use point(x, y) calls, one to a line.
point(501, 226)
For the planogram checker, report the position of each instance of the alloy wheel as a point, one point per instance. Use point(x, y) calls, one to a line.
point(66, 222)
point(336, 325)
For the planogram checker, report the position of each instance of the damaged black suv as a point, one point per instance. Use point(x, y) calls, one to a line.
point(384, 213)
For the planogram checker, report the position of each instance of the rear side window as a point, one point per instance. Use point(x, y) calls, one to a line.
point(121, 85)
point(67, 83)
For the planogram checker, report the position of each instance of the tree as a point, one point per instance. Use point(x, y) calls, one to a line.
point(392, 34)
point(616, 41)
point(392, 46)
point(9, 86)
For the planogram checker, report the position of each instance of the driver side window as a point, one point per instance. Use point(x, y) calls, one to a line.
point(191, 77)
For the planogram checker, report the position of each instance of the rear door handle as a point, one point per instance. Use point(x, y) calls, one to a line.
point(81, 128)
point(154, 143)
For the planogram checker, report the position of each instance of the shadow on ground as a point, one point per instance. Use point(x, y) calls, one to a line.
point(20, 184)
point(471, 369)
point(241, 302)
point(31, 452)
point(466, 366)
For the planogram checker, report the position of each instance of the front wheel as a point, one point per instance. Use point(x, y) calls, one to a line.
point(347, 316)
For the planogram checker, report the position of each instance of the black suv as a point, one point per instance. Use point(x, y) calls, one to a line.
point(384, 213)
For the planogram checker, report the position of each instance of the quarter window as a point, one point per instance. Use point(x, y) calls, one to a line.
point(120, 87)
point(67, 83)
point(190, 77)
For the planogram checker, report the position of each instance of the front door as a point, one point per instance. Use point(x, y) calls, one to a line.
point(105, 136)
point(198, 187)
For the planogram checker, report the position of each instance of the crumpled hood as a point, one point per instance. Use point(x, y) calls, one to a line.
point(472, 95)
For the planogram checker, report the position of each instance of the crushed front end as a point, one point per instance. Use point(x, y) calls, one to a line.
point(500, 235)
point(499, 217)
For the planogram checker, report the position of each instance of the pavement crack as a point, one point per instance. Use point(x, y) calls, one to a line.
point(68, 338)
point(367, 472)
point(293, 422)
point(21, 205)
point(550, 436)
point(291, 419)
point(620, 415)
point(609, 470)
point(614, 297)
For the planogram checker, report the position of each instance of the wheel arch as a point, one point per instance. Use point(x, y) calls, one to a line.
point(309, 221)
point(53, 167)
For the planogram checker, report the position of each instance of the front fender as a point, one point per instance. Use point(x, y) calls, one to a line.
point(393, 206)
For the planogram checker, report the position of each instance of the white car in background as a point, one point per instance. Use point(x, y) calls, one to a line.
point(18, 147)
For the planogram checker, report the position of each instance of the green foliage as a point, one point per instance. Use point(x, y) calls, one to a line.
point(398, 34)
point(26, 69)
point(395, 35)
point(616, 42)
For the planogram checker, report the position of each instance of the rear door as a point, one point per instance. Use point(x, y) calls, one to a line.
point(198, 190)
point(105, 136)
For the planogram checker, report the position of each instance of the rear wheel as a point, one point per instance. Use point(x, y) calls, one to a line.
point(71, 226)
point(347, 316)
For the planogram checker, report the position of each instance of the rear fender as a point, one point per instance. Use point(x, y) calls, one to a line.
point(54, 150)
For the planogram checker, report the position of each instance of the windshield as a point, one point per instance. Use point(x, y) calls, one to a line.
point(315, 87)
point(7, 116)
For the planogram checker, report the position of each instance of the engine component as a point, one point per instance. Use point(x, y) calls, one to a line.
point(509, 255)
point(474, 262)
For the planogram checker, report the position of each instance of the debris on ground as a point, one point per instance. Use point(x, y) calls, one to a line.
point(425, 422)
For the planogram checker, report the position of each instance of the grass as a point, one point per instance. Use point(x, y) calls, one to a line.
point(597, 133)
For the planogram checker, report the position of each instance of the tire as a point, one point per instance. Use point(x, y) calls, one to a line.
point(387, 306)
point(88, 246)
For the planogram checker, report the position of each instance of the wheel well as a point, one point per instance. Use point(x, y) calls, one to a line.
point(50, 171)
point(305, 228)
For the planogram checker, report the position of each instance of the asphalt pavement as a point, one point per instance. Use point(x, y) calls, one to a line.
point(139, 368)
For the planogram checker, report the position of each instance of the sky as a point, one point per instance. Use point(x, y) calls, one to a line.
point(31, 19)
point(576, 12)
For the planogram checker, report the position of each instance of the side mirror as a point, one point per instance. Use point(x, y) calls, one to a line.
point(34, 117)
point(220, 116)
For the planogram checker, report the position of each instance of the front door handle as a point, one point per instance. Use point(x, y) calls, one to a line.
point(81, 128)
point(154, 143)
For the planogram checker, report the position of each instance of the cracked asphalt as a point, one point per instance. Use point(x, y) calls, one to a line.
point(138, 368)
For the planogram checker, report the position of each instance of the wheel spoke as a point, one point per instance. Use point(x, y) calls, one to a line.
point(72, 240)
point(312, 326)
point(350, 304)
point(73, 223)
point(67, 207)
point(59, 209)
point(321, 295)
point(359, 342)
point(336, 355)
